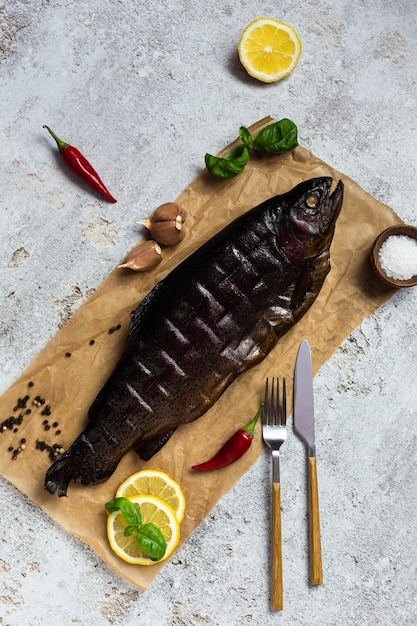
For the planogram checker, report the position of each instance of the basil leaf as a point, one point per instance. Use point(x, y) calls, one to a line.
point(151, 541)
point(277, 137)
point(248, 141)
point(111, 507)
point(245, 137)
point(228, 166)
point(129, 530)
point(129, 510)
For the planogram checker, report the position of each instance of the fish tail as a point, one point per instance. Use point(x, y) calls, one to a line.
point(79, 464)
point(59, 475)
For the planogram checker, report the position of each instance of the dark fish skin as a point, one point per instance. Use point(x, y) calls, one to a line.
point(220, 312)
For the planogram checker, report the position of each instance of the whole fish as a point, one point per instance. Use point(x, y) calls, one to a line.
point(217, 314)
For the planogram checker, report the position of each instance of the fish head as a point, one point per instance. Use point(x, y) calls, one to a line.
point(309, 218)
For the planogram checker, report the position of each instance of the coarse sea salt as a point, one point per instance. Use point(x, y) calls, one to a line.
point(398, 257)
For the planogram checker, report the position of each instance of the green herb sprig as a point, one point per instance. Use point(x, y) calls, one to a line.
point(275, 138)
point(148, 536)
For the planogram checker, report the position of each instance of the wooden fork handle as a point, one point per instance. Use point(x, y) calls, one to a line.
point(277, 596)
point(316, 573)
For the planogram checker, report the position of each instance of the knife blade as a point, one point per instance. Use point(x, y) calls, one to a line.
point(303, 397)
point(304, 426)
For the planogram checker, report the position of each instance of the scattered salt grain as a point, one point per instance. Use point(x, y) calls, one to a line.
point(398, 257)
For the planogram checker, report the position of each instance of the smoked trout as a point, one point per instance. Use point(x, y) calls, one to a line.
point(218, 313)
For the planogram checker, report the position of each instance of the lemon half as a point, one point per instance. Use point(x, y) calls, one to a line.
point(269, 50)
point(152, 510)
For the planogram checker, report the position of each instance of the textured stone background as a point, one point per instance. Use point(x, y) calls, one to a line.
point(145, 89)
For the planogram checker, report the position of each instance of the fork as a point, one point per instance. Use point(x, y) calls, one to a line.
point(274, 433)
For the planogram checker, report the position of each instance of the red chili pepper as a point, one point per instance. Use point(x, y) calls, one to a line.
point(79, 164)
point(233, 449)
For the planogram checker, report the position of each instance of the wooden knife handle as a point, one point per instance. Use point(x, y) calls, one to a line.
point(277, 603)
point(316, 573)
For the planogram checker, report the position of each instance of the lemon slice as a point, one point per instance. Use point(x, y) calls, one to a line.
point(155, 483)
point(152, 510)
point(269, 50)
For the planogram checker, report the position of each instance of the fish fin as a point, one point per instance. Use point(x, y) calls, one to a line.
point(309, 284)
point(148, 447)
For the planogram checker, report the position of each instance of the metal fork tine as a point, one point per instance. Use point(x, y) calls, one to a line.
point(284, 403)
point(265, 412)
point(277, 416)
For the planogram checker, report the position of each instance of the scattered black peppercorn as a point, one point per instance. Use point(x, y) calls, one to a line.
point(13, 421)
point(53, 451)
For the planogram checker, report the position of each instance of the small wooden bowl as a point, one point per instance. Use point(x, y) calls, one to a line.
point(402, 229)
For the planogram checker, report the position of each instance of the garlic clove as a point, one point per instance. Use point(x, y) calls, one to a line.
point(166, 224)
point(167, 233)
point(143, 256)
point(168, 211)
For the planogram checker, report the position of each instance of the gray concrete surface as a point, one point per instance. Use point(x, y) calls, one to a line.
point(148, 88)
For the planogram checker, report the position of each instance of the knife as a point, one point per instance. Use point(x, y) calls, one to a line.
point(304, 426)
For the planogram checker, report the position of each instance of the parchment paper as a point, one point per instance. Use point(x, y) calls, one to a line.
point(69, 384)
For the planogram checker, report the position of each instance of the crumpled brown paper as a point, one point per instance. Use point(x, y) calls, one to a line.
point(69, 384)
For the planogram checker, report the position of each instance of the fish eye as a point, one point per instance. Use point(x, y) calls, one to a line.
point(312, 201)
